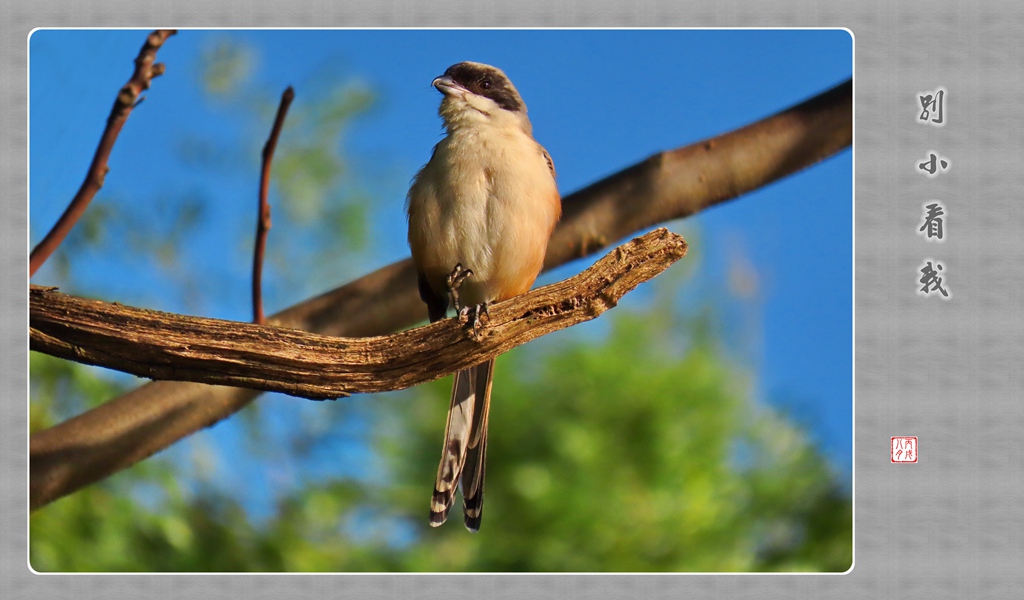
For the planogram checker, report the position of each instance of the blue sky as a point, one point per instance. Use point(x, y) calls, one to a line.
point(599, 100)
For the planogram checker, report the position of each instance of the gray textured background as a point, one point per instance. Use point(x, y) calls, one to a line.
point(951, 526)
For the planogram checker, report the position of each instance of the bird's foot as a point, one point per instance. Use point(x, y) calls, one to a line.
point(454, 282)
point(480, 314)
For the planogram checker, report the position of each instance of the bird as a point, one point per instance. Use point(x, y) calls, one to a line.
point(481, 212)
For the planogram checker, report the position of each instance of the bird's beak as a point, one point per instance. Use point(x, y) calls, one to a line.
point(447, 86)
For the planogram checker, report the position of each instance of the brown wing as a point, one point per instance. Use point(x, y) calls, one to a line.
point(551, 163)
point(437, 305)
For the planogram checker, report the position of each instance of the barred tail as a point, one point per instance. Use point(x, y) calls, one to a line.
point(465, 447)
point(476, 454)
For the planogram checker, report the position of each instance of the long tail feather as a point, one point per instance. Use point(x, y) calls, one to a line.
point(456, 440)
point(476, 452)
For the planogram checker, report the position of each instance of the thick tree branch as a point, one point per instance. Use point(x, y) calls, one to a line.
point(167, 346)
point(127, 98)
point(116, 435)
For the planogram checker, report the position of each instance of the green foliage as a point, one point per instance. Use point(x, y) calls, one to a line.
point(609, 456)
point(225, 66)
point(626, 456)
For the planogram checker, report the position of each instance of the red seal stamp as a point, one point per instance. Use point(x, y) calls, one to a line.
point(904, 449)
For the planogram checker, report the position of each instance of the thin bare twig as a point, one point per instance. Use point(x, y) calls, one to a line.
point(167, 346)
point(263, 220)
point(669, 185)
point(127, 99)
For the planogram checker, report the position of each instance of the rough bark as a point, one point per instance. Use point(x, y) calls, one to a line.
point(162, 345)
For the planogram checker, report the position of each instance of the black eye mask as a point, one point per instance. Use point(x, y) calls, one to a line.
point(487, 83)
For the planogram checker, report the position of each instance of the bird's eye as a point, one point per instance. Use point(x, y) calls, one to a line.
point(485, 84)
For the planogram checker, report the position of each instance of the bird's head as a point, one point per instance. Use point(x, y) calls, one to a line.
point(479, 93)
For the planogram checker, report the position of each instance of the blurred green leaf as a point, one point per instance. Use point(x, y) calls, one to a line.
point(226, 67)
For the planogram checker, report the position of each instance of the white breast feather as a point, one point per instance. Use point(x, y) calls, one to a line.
point(504, 202)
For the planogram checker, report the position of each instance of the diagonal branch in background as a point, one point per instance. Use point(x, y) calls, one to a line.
point(127, 98)
point(168, 346)
point(263, 220)
point(678, 183)
point(672, 185)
